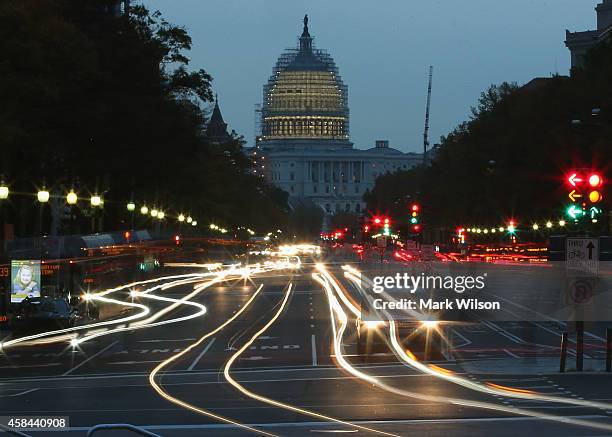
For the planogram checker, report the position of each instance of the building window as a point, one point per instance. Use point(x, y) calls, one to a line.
point(292, 176)
point(327, 189)
point(356, 189)
point(292, 189)
point(358, 208)
point(327, 207)
point(314, 189)
point(347, 207)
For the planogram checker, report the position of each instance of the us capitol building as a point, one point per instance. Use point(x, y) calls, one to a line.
point(304, 146)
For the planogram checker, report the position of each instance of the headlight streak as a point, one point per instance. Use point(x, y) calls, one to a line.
point(492, 389)
point(56, 335)
point(255, 396)
point(144, 312)
point(173, 358)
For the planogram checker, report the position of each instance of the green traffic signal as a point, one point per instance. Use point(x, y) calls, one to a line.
point(574, 212)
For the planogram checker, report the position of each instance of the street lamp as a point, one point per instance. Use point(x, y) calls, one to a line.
point(131, 206)
point(4, 193)
point(549, 224)
point(561, 223)
point(71, 198)
point(535, 227)
point(144, 210)
point(4, 190)
point(189, 219)
point(95, 200)
point(43, 196)
point(194, 223)
point(161, 215)
point(181, 218)
point(154, 212)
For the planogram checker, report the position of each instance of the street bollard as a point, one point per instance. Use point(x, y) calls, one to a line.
point(609, 350)
point(563, 352)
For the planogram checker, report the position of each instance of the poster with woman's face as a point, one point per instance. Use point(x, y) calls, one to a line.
point(25, 275)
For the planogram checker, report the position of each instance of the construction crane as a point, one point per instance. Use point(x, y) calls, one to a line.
point(426, 133)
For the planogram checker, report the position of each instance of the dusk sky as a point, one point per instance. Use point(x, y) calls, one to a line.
point(383, 50)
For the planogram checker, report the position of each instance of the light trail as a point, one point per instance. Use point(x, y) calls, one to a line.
point(59, 333)
point(173, 358)
point(492, 389)
point(255, 396)
point(335, 307)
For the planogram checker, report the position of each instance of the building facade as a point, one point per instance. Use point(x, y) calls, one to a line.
point(580, 42)
point(304, 146)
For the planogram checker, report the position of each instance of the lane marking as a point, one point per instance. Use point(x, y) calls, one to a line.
point(367, 422)
point(510, 353)
point(82, 363)
point(166, 340)
point(195, 362)
point(20, 393)
point(313, 345)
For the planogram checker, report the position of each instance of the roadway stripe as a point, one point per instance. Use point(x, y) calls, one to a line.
point(510, 353)
point(20, 393)
point(195, 362)
point(68, 372)
point(313, 345)
point(328, 424)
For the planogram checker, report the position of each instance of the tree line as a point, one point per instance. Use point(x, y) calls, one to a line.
point(109, 104)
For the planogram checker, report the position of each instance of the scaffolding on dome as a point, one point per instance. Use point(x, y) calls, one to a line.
point(305, 97)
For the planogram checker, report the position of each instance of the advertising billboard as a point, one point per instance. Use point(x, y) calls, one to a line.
point(25, 279)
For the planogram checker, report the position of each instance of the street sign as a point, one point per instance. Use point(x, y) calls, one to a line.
point(582, 257)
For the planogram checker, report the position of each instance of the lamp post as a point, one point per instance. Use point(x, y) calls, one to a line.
point(43, 197)
point(4, 194)
point(71, 200)
point(131, 207)
point(95, 202)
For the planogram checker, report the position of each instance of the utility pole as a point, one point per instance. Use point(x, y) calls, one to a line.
point(426, 133)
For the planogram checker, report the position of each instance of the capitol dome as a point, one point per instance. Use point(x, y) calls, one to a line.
point(305, 102)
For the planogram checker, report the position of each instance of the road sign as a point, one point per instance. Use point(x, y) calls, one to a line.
point(381, 241)
point(582, 257)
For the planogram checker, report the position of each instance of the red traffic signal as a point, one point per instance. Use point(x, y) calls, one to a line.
point(595, 180)
point(377, 220)
point(416, 228)
point(415, 208)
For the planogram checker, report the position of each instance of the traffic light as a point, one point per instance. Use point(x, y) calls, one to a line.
point(511, 227)
point(586, 193)
point(414, 214)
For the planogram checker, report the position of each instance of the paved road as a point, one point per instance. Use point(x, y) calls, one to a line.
point(106, 380)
